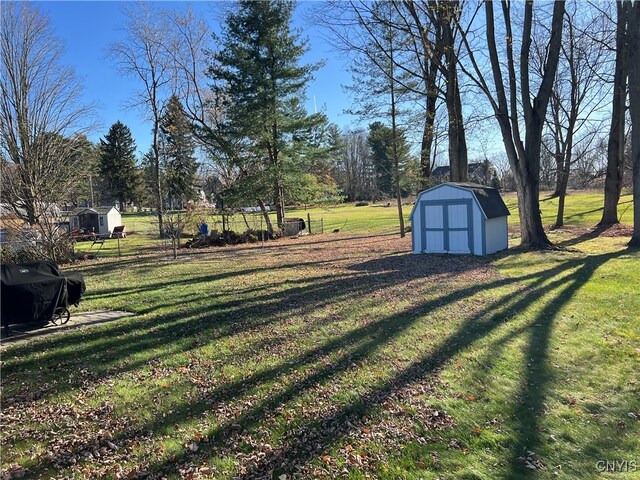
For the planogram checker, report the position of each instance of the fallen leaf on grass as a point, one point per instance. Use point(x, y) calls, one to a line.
point(193, 447)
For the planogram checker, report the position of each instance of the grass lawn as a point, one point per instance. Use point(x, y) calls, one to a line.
point(340, 356)
point(582, 209)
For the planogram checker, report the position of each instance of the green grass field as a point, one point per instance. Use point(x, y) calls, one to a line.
point(341, 356)
point(583, 209)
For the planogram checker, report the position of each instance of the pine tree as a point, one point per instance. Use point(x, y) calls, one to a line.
point(381, 143)
point(180, 164)
point(259, 74)
point(118, 164)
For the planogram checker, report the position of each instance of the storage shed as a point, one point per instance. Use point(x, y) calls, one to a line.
point(100, 220)
point(459, 218)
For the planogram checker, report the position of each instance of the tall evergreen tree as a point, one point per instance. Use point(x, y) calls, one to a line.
point(118, 164)
point(180, 164)
point(258, 70)
point(86, 165)
point(380, 139)
point(381, 143)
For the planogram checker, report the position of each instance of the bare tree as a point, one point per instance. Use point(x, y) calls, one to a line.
point(39, 113)
point(356, 27)
point(382, 57)
point(527, 110)
point(381, 78)
point(577, 97)
point(423, 32)
point(355, 172)
point(446, 15)
point(143, 56)
point(615, 147)
point(187, 44)
point(634, 105)
point(41, 122)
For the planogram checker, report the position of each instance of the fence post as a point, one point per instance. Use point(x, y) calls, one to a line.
point(309, 223)
point(261, 231)
point(321, 225)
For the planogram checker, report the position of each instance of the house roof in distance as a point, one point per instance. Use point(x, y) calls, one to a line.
point(489, 198)
point(443, 170)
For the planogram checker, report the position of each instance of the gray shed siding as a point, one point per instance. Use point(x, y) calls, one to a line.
point(496, 235)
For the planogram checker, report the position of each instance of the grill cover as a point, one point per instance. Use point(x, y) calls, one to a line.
point(31, 292)
point(75, 287)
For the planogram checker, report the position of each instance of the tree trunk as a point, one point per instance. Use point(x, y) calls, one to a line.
point(531, 229)
point(158, 186)
point(525, 159)
point(91, 196)
point(394, 131)
point(564, 159)
point(280, 207)
point(615, 145)
point(30, 203)
point(244, 217)
point(634, 106)
point(427, 142)
point(457, 141)
point(265, 214)
point(561, 189)
point(429, 73)
point(559, 176)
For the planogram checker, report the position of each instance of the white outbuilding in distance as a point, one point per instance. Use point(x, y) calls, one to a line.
point(459, 218)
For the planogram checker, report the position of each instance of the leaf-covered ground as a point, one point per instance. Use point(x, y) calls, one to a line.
point(338, 356)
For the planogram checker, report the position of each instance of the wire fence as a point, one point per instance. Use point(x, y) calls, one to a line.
point(142, 233)
point(142, 229)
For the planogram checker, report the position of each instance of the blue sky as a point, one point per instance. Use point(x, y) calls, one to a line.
point(87, 29)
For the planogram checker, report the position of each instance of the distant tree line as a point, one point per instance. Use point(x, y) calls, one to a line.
point(556, 85)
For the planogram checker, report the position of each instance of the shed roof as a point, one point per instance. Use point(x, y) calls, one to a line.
point(489, 198)
point(98, 210)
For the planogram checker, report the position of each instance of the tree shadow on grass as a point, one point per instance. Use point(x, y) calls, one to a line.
point(532, 396)
point(529, 407)
point(360, 343)
point(590, 234)
point(341, 421)
point(103, 350)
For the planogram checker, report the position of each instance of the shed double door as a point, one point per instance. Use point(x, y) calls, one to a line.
point(448, 227)
point(89, 221)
